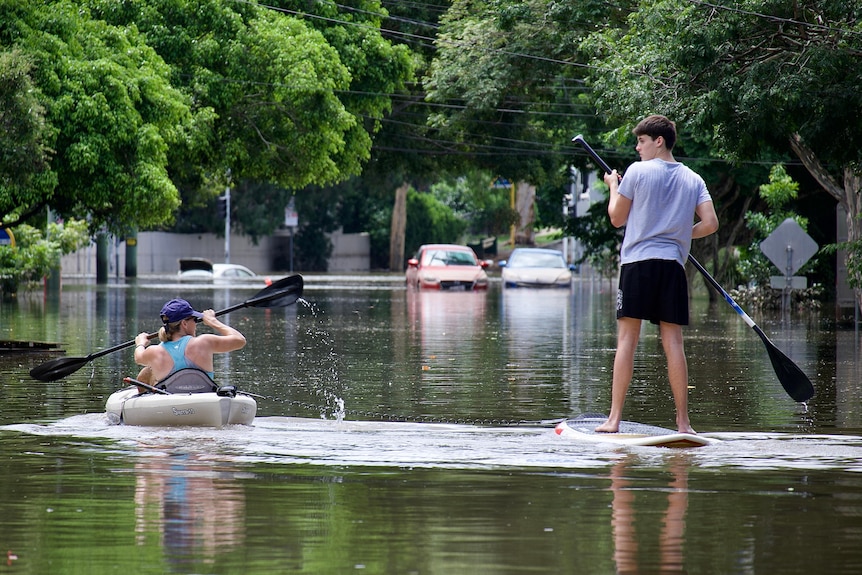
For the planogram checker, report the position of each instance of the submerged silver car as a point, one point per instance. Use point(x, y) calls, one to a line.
point(536, 267)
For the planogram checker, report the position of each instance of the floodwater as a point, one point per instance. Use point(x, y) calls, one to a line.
point(413, 433)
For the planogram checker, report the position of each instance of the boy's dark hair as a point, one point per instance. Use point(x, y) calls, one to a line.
point(655, 126)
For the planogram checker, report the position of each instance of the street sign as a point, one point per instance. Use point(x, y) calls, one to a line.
point(793, 282)
point(789, 247)
point(501, 183)
point(7, 238)
point(291, 216)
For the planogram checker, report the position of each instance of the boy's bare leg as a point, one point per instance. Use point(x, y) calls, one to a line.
point(628, 333)
point(677, 372)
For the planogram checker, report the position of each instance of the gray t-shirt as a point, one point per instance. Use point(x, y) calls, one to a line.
point(664, 197)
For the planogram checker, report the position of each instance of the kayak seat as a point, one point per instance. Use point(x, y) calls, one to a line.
point(188, 380)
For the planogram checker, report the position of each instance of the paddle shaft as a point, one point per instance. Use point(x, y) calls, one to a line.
point(146, 386)
point(592, 153)
point(720, 290)
point(129, 343)
point(284, 292)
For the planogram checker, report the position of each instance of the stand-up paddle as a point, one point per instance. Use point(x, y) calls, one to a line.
point(282, 293)
point(792, 378)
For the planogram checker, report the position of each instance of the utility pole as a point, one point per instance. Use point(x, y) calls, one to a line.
point(227, 220)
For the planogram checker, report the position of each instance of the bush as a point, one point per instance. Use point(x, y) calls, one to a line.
point(35, 255)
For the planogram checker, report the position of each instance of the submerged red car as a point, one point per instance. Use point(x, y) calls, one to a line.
point(446, 267)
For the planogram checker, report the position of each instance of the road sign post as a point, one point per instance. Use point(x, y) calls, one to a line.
point(789, 248)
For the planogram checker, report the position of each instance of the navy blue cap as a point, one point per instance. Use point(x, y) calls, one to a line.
point(178, 310)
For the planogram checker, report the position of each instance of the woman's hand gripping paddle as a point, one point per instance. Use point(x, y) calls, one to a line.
point(282, 293)
point(792, 378)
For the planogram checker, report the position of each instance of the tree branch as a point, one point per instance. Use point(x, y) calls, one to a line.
point(24, 216)
point(815, 168)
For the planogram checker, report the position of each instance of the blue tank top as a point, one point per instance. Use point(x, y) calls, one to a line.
point(177, 351)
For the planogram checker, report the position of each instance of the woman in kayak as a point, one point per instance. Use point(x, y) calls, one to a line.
point(180, 346)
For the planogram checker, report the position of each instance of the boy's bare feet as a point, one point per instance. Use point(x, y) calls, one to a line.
point(608, 427)
point(683, 425)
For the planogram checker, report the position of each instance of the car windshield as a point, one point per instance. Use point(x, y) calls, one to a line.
point(449, 258)
point(232, 271)
point(235, 273)
point(536, 260)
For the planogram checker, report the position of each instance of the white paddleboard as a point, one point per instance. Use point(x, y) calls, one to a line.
point(583, 428)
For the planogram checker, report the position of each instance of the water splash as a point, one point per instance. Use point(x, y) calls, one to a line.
point(325, 383)
point(339, 412)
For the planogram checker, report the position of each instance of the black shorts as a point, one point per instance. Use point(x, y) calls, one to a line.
point(655, 290)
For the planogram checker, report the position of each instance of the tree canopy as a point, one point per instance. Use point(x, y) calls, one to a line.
point(24, 153)
point(758, 81)
point(512, 76)
point(150, 102)
point(110, 116)
point(125, 109)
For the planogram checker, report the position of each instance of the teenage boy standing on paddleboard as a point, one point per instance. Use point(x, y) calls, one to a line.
point(657, 202)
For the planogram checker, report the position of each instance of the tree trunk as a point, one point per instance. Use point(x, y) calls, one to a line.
point(525, 202)
point(849, 195)
point(398, 230)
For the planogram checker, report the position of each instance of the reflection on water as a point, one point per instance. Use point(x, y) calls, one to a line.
point(848, 380)
point(446, 326)
point(327, 496)
point(191, 503)
point(303, 491)
point(670, 531)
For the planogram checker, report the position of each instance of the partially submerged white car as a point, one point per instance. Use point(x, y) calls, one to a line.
point(536, 267)
point(203, 270)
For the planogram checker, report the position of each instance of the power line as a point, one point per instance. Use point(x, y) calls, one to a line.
point(434, 41)
point(772, 18)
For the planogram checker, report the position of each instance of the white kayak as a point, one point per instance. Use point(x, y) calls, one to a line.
point(190, 400)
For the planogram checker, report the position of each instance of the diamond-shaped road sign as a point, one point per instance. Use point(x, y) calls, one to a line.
point(788, 246)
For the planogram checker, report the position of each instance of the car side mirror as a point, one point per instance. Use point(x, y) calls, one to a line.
point(413, 262)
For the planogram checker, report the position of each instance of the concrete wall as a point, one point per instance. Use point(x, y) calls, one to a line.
point(159, 252)
point(350, 252)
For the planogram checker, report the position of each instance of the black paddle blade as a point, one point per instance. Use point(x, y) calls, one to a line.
point(58, 368)
point(792, 378)
point(282, 293)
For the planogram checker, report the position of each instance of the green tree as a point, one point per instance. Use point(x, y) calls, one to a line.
point(110, 116)
point(403, 153)
point(431, 221)
point(758, 83)
point(36, 253)
point(600, 239)
point(512, 77)
point(261, 86)
point(753, 266)
point(291, 94)
point(486, 209)
point(25, 177)
point(777, 194)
